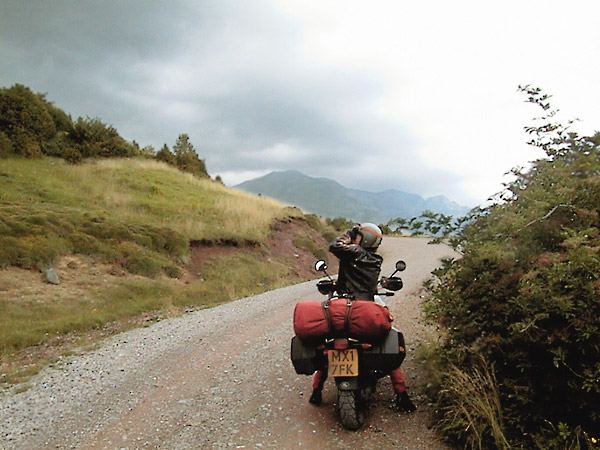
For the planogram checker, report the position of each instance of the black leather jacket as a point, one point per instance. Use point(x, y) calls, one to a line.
point(359, 268)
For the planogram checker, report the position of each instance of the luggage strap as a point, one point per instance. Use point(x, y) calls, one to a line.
point(325, 306)
point(349, 304)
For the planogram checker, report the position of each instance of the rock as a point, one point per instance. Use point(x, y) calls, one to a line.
point(51, 276)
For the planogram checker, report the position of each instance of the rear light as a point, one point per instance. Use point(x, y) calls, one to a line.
point(341, 344)
point(365, 346)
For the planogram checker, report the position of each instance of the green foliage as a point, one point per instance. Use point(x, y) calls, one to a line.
point(340, 223)
point(306, 243)
point(441, 227)
point(474, 410)
point(6, 145)
point(36, 237)
point(25, 119)
point(186, 157)
point(26, 325)
point(165, 155)
point(315, 222)
point(524, 296)
point(226, 279)
point(93, 138)
point(31, 126)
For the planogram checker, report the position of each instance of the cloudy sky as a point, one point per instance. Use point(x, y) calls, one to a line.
point(418, 96)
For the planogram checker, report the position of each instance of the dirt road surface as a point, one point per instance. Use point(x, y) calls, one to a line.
point(219, 378)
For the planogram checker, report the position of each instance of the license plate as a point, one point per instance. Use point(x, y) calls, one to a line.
point(343, 363)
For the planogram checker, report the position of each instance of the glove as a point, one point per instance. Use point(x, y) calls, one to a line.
point(354, 231)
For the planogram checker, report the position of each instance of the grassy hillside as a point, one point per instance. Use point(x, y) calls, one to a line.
point(138, 191)
point(128, 236)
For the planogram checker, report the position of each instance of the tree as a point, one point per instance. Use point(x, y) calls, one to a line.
point(96, 139)
point(25, 119)
point(165, 155)
point(35, 127)
point(186, 157)
point(148, 151)
point(6, 146)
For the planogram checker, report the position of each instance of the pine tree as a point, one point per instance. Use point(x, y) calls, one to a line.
point(186, 157)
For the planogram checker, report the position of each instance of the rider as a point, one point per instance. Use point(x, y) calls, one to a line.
point(357, 277)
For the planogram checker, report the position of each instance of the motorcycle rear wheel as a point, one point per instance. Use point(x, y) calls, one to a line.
point(348, 409)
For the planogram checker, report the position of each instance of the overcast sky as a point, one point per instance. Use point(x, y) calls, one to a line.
point(418, 96)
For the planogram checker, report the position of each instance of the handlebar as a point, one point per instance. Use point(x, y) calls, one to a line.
point(392, 283)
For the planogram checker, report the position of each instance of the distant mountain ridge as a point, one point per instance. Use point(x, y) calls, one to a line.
point(328, 198)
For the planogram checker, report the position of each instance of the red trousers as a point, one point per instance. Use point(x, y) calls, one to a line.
point(396, 377)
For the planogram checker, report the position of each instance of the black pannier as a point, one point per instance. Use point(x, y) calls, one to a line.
point(387, 355)
point(306, 359)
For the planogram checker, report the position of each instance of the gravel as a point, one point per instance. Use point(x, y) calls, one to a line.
point(217, 378)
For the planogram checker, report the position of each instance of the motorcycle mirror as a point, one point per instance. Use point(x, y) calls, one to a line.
point(400, 266)
point(320, 266)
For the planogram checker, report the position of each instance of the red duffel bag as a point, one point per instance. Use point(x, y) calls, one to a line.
point(341, 316)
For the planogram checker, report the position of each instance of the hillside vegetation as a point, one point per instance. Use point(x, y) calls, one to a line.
point(147, 195)
point(142, 227)
point(519, 363)
point(133, 234)
point(31, 126)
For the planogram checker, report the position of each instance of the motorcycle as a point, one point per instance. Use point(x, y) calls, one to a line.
point(350, 340)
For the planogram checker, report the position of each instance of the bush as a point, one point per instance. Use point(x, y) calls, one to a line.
point(524, 296)
point(314, 222)
point(31, 237)
point(308, 244)
point(6, 145)
point(140, 262)
point(25, 119)
point(31, 126)
point(340, 223)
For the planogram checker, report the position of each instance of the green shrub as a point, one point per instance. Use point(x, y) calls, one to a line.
point(340, 223)
point(315, 222)
point(524, 297)
point(31, 126)
point(142, 263)
point(85, 244)
point(9, 250)
point(33, 237)
point(6, 145)
point(308, 244)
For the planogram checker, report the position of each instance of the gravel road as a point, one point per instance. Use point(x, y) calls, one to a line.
point(218, 378)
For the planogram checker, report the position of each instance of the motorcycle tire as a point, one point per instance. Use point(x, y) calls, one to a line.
point(348, 409)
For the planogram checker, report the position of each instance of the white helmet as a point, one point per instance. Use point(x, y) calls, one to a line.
point(371, 235)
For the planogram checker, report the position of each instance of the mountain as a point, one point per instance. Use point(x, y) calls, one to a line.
point(329, 198)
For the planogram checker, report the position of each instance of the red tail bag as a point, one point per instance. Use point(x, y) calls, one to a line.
point(363, 319)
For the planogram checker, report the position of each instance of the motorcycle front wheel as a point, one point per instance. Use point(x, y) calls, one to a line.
point(348, 409)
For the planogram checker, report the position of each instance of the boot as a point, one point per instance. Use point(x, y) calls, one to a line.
point(404, 402)
point(316, 398)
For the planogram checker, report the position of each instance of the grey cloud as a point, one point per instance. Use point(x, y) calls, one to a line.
point(230, 74)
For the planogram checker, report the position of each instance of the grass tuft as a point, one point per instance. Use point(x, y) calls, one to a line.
point(472, 404)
